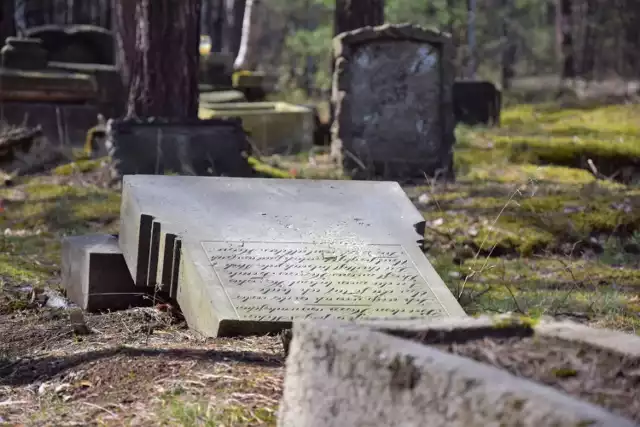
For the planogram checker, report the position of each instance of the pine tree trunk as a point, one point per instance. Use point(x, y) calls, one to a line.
point(566, 33)
point(7, 28)
point(234, 15)
point(587, 66)
point(160, 56)
point(353, 14)
point(216, 17)
point(509, 49)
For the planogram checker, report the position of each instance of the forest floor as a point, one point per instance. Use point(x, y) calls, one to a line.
point(526, 228)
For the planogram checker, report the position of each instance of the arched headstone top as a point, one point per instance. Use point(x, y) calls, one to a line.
point(343, 42)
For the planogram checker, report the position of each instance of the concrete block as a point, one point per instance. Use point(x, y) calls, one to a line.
point(95, 274)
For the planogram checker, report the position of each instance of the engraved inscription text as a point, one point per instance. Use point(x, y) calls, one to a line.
point(284, 281)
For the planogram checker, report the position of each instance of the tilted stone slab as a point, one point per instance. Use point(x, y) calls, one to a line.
point(247, 256)
point(343, 375)
point(392, 93)
point(95, 274)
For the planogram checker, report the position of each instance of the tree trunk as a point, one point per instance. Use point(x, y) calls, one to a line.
point(587, 65)
point(509, 49)
point(217, 19)
point(7, 28)
point(158, 40)
point(246, 58)
point(353, 14)
point(234, 15)
point(566, 35)
point(632, 39)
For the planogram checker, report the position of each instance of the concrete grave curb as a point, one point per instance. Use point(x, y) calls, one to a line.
point(345, 374)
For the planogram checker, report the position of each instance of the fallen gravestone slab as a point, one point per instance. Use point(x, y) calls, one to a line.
point(183, 147)
point(247, 256)
point(393, 102)
point(95, 274)
point(345, 375)
point(476, 102)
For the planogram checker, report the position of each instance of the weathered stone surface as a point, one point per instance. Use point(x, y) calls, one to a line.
point(476, 102)
point(393, 102)
point(248, 256)
point(346, 376)
point(95, 274)
point(183, 147)
point(273, 127)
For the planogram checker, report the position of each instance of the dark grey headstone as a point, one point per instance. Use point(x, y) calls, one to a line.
point(393, 105)
point(182, 147)
point(247, 256)
point(96, 276)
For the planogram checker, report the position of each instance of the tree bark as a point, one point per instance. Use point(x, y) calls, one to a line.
point(353, 14)
point(158, 43)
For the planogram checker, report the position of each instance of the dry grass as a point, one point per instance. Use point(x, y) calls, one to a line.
point(138, 367)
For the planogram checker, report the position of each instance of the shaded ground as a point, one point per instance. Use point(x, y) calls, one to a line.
point(526, 228)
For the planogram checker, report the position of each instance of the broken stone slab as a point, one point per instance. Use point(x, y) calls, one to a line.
point(347, 375)
point(176, 146)
point(96, 276)
point(248, 256)
point(392, 94)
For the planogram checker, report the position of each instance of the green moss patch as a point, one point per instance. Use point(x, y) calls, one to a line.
point(524, 220)
point(51, 207)
point(608, 136)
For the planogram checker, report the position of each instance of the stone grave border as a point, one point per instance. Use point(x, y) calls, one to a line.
point(327, 356)
point(344, 47)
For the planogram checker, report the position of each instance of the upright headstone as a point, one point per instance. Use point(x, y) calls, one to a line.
point(248, 256)
point(393, 103)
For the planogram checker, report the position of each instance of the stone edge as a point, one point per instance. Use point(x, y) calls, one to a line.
point(343, 45)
